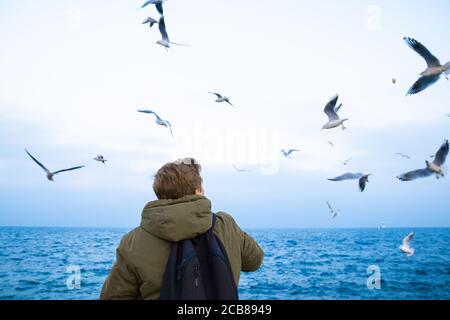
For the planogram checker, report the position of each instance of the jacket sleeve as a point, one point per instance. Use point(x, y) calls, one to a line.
point(252, 254)
point(122, 283)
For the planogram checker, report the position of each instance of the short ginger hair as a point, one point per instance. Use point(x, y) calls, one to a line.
point(178, 179)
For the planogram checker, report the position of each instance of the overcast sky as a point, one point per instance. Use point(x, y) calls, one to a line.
point(73, 74)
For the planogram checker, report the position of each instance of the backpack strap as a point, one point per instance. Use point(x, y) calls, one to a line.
point(214, 218)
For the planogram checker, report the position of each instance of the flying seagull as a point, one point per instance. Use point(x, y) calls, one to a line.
point(165, 42)
point(240, 170)
point(331, 111)
point(382, 226)
point(100, 158)
point(403, 155)
point(158, 120)
point(434, 70)
point(434, 167)
point(289, 152)
point(157, 3)
point(333, 212)
point(51, 174)
point(221, 98)
point(406, 246)
point(150, 21)
point(363, 179)
point(346, 161)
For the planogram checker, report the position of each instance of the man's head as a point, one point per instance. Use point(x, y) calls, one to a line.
point(178, 179)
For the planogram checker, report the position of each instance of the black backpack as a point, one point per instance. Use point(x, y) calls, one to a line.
point(199, 269)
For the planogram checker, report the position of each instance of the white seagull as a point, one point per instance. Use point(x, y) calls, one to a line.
point(406, 246)
point(362, 178)
point(51, 174)
point(434, 167)
point(434, 70)
point(331, 111)
point(150, 21)
point(158, 4)
point(165, 42)
point(158, 120)
point(382, 226)
point(289, 152)
point(333, 212)
point(346, 161)
point(239, 170)
point(221, 98)
point(100, 158)
point(403, 155)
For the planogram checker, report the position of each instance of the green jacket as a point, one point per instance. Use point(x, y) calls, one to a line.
point(143, 253)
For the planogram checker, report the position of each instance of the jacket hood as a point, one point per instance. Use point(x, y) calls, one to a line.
point(176, 220)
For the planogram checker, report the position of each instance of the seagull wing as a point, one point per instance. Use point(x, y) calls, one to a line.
point(228, 101)
point(348, 176)
point(150, 20)
point(362, 183)
point(330, 109)
point(329, 206)
point(70, 169)
point(416, 174)
point(218, 95)
point(441, 155)
point(423, 83)
point(40, 164)
point(146, 3)
point(150, 112)
point(431, 60)
point(338, 108)
point(291, 151)
point(407, 239)
point(159, 7)
point(162, 29)
point(170, 127)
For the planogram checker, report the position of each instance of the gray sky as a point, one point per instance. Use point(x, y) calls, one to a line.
point(75, 72)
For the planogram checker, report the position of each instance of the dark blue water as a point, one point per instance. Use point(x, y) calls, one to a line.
point(299, 264)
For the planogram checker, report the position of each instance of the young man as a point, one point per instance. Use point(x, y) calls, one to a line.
point(181, 212)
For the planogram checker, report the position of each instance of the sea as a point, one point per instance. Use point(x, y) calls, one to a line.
point(299, 264)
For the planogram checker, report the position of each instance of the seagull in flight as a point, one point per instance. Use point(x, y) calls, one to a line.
point(150, 21)
point(382, 226)
point(434, 167)
point(434, 70)
point(362, 178)
point(48, 172)
point(158, 4)
point(239, 170)
point(221, 98)
point(165, 42)
point(403, 155)
point(100, 158)
point(158, 120)
point(331, 111)
point(289, 152)
point(346, 161)
point(406, 245)
point(333, 212)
